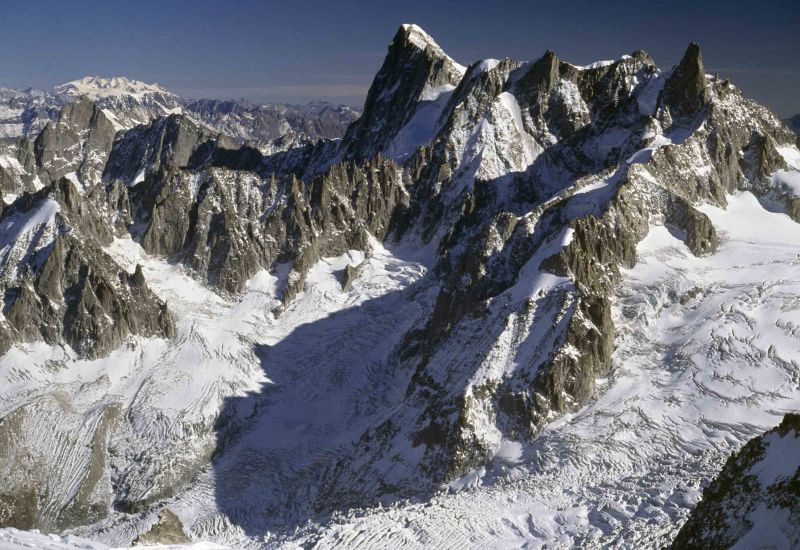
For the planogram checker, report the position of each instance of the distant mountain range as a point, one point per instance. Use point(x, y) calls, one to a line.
point(128, 103)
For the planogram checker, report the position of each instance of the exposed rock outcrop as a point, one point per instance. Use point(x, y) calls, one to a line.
point(686, 89)
point(350, 274)
point(60, 287)
point(79, 141)
point(755, 499)
point(167, 530)
point(700, 235)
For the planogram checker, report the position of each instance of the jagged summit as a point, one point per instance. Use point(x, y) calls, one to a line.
point(415, 67)
point(412, 34)
point(686, 90)
point(417, 34)
point(414, 37)
point(97, 87)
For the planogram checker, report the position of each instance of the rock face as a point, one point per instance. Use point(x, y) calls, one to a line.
point(700, 235)
point(217, 211)
point(81, 126)
point(60, 287)
point(686, 90)
point(525, 186)
point(167, 530)
point(755, 500)
point(415, 65)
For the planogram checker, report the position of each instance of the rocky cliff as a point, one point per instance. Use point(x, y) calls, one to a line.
point(755, 499)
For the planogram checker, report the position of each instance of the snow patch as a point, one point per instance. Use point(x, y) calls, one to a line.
point(789, 180)
point(791, 155)
point(781, 459)
point(423, 125)
point(12, 165)
point(596, 64)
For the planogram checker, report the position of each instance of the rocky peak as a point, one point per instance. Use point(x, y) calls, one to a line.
point(414, 64)
point(686, 91)
point(58, 284)
point(410, 35)
point(81, 126)
point(643, 57)
point(541, 77)
point(169, 141)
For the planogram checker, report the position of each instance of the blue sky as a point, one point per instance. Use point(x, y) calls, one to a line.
point(301, 51)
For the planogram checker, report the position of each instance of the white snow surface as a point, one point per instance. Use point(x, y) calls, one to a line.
point(781, 459)
point(791, 155)
point(423, 125)
point(24, 234)
point(596, 64)
point(690, 384)
point(788, 180)
point(12, 165)
point(14, 539)
point(96, 87)
point(768, 530)
point(171, 390)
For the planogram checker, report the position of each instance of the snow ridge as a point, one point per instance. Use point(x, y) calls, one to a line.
point(96, 87)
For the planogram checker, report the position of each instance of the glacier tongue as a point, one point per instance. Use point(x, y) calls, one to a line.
point(704, 362)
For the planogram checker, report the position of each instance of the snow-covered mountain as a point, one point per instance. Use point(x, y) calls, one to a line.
point(128, 103)
point(518, 303)
point(95, 88)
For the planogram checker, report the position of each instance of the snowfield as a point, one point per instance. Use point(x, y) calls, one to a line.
point(14, 539)
point(706, 359)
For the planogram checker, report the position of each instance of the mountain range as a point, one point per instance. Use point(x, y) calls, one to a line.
point(512, 304)
point(128, 103)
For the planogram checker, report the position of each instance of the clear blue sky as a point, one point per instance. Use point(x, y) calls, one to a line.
point(298, 51)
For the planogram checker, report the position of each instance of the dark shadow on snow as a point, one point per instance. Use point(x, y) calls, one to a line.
point(330, 381)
